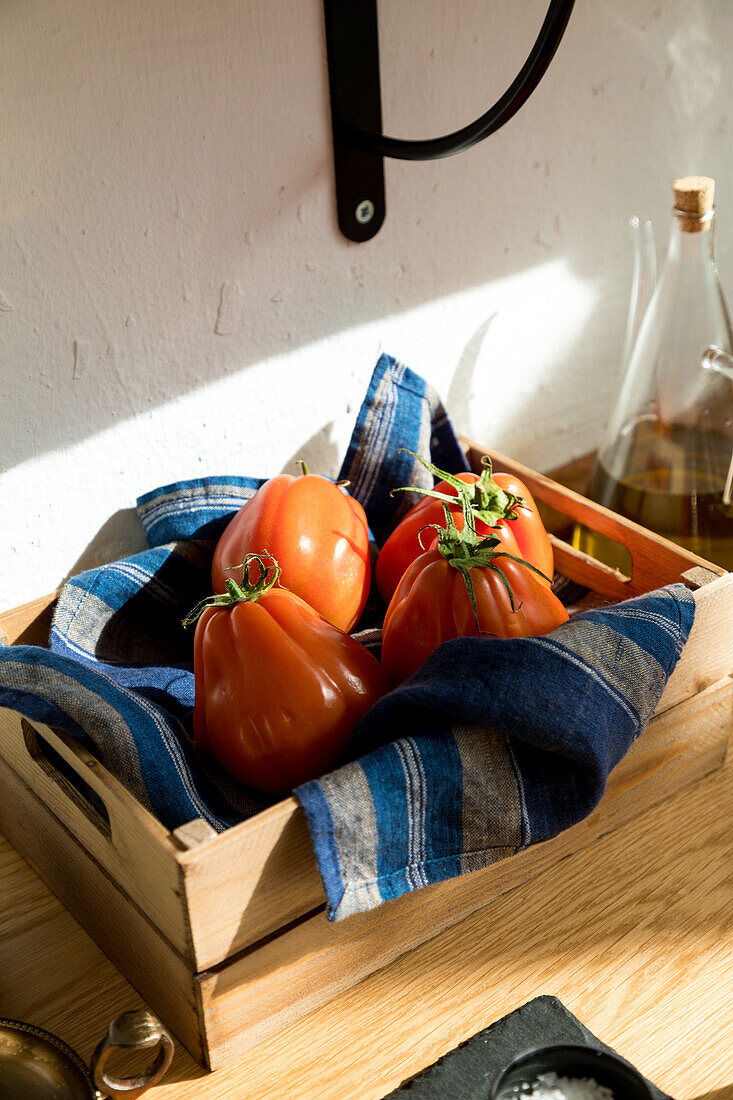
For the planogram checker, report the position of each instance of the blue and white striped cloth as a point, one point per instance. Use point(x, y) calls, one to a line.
point(491, 746)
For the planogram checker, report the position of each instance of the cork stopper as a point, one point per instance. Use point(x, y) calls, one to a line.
point(693, 196)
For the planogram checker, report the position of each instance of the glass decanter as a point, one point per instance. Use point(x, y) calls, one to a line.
point(666, 461)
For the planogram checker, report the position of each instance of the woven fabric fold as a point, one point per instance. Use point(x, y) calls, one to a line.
point(491, 746)
point(118, 672)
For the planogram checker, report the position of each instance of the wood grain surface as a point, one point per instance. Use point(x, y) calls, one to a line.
point(221, 1013)
point(633, 933)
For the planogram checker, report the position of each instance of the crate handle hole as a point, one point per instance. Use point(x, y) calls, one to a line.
point(64, 776)
point(608, 551)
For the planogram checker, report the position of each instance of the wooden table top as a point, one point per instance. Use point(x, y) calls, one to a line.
point(634, 934)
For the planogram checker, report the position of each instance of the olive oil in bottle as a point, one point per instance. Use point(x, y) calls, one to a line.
point(676, 491)
point(667, 458)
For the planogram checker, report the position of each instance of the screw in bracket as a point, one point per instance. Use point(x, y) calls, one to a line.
point(364, 211)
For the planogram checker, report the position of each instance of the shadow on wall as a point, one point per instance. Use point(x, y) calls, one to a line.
point(192, 245)
point(122, 534)
point(119, 537)
point(320, 452)
point(458, 399)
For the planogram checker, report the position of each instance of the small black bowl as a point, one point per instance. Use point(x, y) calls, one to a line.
point(571, 1060)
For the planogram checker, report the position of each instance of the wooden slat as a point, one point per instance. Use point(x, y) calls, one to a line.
point(29, 623)
point(588, 571)
point(124, 933)
point(210, 900)
point(249, 882)
point(269, 988)
point(136, 850)
point(655, 560)
point(697, 577)
point(708, 652)
point(193, 833)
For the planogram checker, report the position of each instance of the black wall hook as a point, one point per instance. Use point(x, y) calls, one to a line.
point(356, 109)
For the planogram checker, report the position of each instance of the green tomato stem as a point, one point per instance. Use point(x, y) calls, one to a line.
point(489, 502)
point(248, 591)
point(466, 550)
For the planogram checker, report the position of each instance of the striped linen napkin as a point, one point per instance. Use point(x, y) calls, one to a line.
point(491, 746)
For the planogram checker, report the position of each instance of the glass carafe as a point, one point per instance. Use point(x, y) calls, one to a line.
point(666, 461)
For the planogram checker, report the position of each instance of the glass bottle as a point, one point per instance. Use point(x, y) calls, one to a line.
point(666, 461)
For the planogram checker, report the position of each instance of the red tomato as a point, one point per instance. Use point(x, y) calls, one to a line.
point(317, 533)
point(490, 494)
point(529, 530)
point(278, 689)
point(431, 605)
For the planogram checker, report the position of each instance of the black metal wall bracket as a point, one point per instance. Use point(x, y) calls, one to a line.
point(352, 40)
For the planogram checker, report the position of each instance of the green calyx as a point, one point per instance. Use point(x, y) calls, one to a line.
point(487, 500)
point(466, 550)
point(249, 591)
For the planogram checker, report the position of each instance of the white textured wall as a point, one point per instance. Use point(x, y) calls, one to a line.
point(175, 297)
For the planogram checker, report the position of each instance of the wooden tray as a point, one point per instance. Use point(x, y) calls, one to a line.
point(225, 935)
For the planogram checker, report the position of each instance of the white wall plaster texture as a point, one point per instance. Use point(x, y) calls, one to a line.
point(176, 299)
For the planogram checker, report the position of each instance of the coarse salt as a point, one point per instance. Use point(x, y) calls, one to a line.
point(549, 1086)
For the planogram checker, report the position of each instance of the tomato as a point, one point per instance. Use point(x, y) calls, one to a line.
point(432, 602)
point(317, 533)
point(502, 505)
point(278, 689)
point(529, 530)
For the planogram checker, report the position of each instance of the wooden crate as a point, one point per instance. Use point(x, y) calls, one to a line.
point(225, 935)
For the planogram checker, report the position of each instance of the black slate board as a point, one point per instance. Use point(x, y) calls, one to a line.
point(468, 1072)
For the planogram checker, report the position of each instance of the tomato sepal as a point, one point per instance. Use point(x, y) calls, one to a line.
point(248, 591)
point(465, 550)
point(488, 501)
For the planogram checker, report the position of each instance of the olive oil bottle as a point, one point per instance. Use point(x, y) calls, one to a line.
point(676, 491)
point(667, 458)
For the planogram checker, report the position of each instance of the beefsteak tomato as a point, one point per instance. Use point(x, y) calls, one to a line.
point(463, 586)
point(502, 506)
point(316, 532)
point(278, 689)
